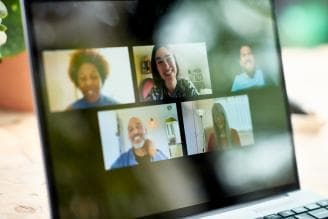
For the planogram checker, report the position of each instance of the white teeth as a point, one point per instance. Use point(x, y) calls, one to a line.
point(90, 92)
point(136, 138)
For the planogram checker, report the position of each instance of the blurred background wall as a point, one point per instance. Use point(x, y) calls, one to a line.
point(303, 32)
point(302, 23)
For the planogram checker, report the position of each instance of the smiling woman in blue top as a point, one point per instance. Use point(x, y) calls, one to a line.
point(88, 71)
point(143, 149)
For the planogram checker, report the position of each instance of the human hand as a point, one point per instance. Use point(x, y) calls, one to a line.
point(149, 148)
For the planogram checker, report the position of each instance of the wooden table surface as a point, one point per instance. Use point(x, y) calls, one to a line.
point(311, 145)
point(22, 182)
point(23, 192)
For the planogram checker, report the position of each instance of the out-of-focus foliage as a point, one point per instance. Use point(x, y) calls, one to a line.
point(13, 22)
point(302, 22)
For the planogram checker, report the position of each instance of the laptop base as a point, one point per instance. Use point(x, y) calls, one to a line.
point(264, 207)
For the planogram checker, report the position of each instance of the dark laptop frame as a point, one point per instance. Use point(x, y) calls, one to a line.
point(42, 114)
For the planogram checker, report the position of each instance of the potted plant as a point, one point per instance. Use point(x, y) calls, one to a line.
point(15, 87)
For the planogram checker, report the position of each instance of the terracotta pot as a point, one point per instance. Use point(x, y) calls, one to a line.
point(15, 84)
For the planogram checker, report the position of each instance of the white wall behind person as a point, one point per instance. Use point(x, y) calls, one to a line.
point(158, 134)
point(110, 141)
point(192, 57)
point(192, 61)
point(238, 115)
point(62, 92)
point(119, 85)
point(114, 129)
point(237, 112)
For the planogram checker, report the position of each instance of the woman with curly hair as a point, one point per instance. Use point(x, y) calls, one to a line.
point(88, 71)
point(165, 71)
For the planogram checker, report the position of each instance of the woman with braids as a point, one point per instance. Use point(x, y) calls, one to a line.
point(88, 71)
point(223, 137)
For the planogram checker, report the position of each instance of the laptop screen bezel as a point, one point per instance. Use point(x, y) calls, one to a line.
point(41, 114)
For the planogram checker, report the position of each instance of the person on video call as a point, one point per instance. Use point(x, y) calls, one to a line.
point(143, 149)
point(223, 137)
point(250, 76)
point(165, 71)
point(88, 71)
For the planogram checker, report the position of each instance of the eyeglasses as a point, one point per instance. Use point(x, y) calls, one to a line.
point(166, 59)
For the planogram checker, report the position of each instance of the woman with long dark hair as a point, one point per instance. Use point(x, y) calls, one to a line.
point(165, 71)
point(223, 137)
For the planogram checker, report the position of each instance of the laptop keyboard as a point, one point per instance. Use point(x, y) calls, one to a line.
point(318, 210)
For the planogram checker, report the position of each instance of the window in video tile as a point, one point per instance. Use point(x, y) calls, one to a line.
point(87, 78)
point(139, 135)
point(172, 71)
point(217, 124)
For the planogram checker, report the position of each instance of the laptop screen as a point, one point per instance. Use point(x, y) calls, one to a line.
point(159, 107)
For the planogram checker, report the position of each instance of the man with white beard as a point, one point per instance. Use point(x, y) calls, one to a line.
point(143, 149)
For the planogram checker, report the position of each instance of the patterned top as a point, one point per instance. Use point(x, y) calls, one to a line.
point(184, 88)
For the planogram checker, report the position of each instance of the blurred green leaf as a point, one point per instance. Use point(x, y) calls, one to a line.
point(3, 10)
point(13, 22)
point(3, 27)
point(304, 23)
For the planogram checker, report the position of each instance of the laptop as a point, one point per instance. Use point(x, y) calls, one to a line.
point(164, 109)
